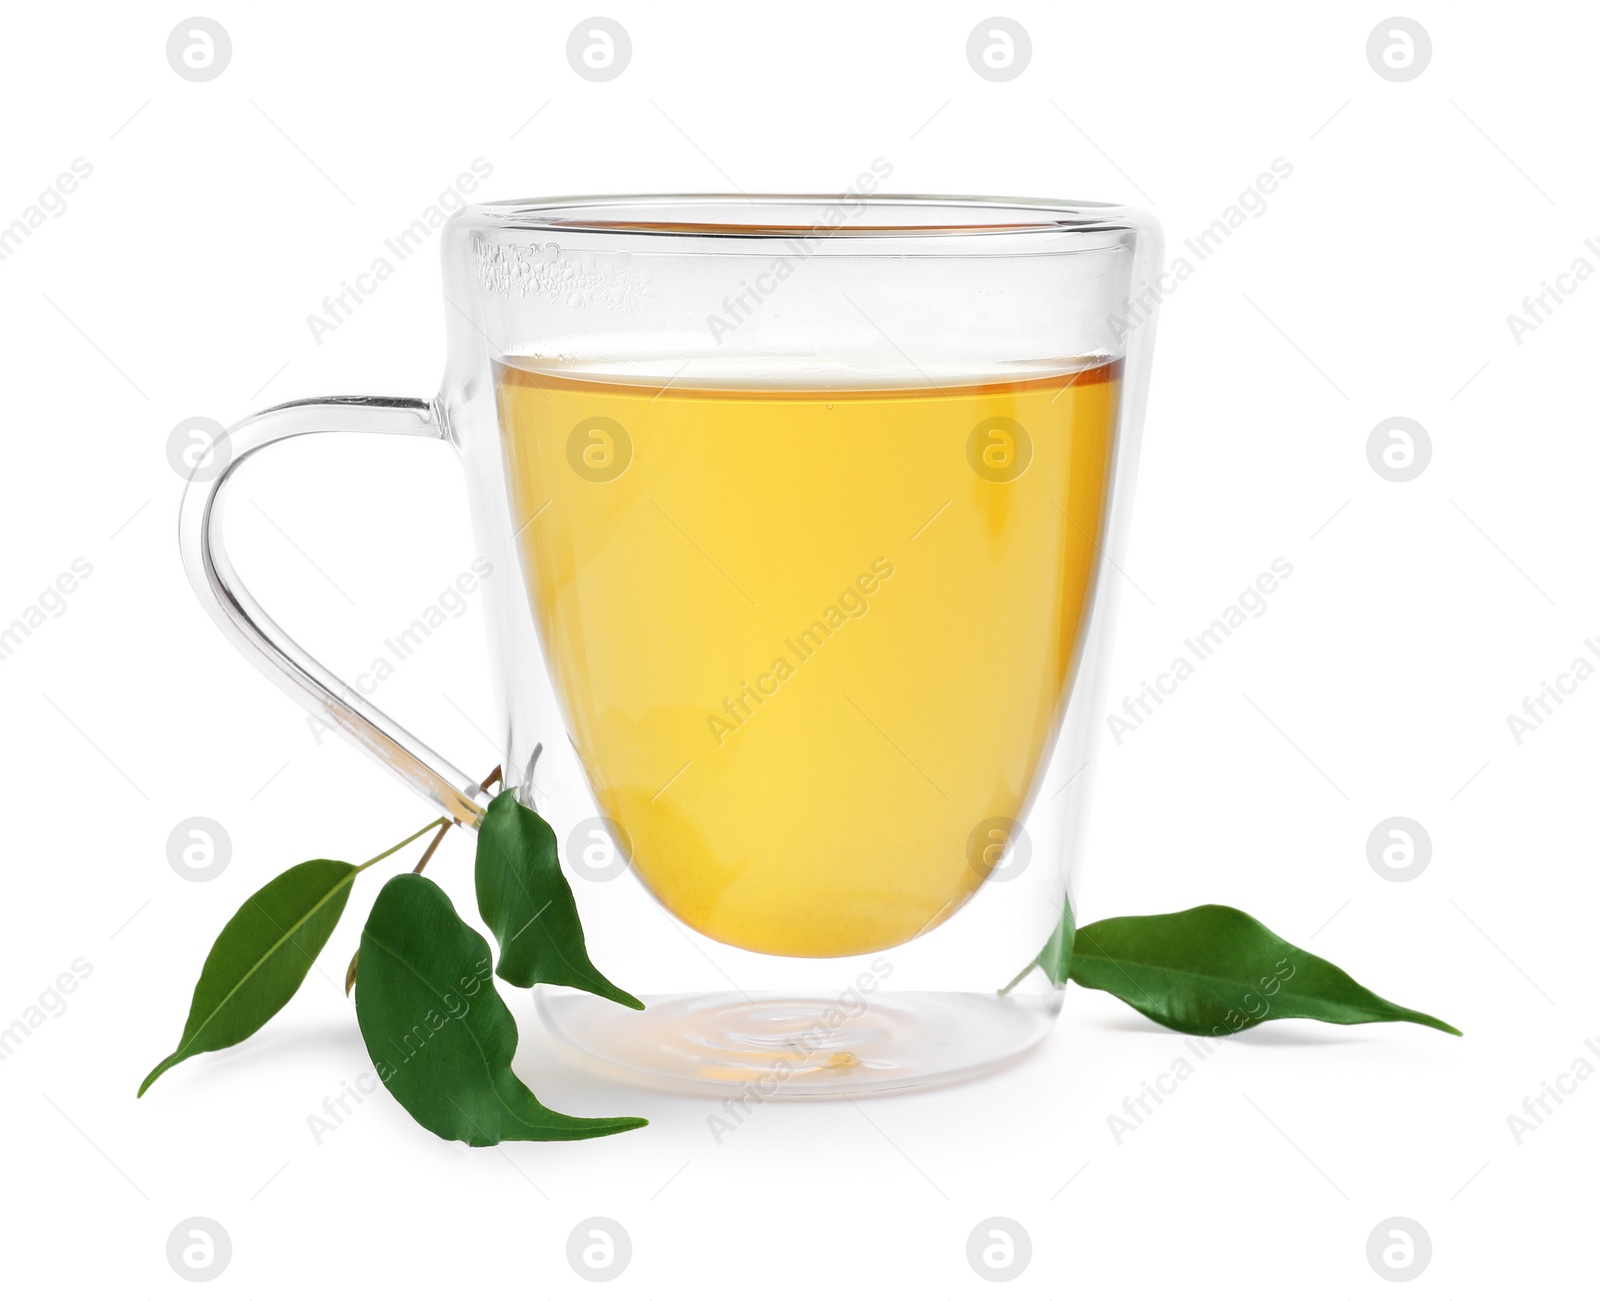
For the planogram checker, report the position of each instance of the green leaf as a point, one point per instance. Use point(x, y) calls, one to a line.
point(438, 1032)
point(1056, 956)
point(526, 901)
point(261, 956)
point(1214, 970)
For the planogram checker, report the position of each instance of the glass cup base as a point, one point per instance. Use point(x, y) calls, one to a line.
point(796, 1046)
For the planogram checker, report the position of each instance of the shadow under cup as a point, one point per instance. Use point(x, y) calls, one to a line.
point(798, 514)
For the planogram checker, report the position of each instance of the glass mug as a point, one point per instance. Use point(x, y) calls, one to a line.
point(799, 512)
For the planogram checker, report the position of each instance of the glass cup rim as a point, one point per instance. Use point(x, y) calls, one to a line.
point(776, 216)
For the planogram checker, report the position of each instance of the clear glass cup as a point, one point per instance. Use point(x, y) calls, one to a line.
point(801, 515)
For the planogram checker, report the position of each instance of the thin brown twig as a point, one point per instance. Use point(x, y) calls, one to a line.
point(432, 845)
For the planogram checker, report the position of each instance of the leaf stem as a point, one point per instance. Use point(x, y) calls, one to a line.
point(415, 835)
point(491, 779)
point(1017, 979)
point(432, 845)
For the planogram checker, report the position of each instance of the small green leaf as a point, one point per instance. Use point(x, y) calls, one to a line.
point(438, 1032)
point(526, 901)
point(1056, 957)
point(1214, 970)
point(261, 956)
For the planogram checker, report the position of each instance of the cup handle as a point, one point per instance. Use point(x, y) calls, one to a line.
point(253, 631)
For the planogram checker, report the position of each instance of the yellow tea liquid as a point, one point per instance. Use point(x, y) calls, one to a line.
point(811, 644)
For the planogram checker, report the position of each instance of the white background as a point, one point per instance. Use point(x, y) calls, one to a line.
point(1377, 283)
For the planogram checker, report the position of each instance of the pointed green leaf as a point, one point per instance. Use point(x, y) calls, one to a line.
point(1214, 970)
point(261, 956)
point(438, 1032)
point(526, 901)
